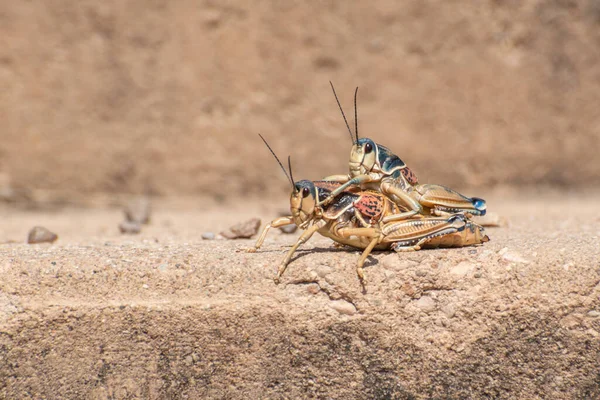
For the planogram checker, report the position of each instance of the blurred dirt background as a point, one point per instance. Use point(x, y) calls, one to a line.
point(168, 97)
point(103, 101)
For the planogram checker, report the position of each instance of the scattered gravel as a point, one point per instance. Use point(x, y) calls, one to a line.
point(449, 310)
point(288, 229)
point(130, 227)
point(343, 307)
point(594, 314)
point(39, 234)
point(208, 236)
point(426, 304)
point(463, 268)
point(138, 210)
point(512, 256)
point(243, 230)
point(397, 262)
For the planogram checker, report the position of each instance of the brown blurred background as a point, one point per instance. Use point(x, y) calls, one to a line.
point(169, 96)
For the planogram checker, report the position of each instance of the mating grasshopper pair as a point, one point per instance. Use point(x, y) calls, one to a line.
point(379, 205)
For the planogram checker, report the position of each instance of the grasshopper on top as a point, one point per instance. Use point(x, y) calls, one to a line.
point(356, 218)
point(375, 167)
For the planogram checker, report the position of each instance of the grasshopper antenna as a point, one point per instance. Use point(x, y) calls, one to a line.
point(343, 115)
point(290, 168)
point(280, 164)
point(355, 115)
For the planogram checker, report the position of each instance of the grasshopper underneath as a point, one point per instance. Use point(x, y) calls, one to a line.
point(356, 218)
point(375, 167)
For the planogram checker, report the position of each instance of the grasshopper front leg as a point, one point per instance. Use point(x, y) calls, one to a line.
point(354, 181)
point(337, 178)
point(306, 235)
point(276, 223)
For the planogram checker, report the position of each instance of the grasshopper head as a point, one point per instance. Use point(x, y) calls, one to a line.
point(303, 202)
point(364, 157)
point(368, 157)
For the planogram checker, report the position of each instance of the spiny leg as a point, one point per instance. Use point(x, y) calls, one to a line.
point(443, 199)
point(363, 258)
point(337, 178)
point(366, 232)
point(443, 213)
point(416, 247)
point(360, 218)
point(457, 223)
point(407, 200)
point(276, 223)
point(354, 181)
point(302, 239)
point(399, 217)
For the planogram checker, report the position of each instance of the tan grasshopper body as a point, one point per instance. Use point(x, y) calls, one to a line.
point(375, 167)
point(364, 220)
point(357, 220)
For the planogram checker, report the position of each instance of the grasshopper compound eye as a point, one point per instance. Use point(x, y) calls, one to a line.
point(368, 148)
point(305, 192)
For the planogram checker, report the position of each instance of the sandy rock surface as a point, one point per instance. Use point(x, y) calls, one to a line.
point(166, 314)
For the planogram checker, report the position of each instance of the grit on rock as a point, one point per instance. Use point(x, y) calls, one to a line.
point(166, 314)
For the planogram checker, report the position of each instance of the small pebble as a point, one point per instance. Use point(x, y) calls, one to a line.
point(138, 210)
point(343, 307)
point(511, 256)
point(594, 313)
point(323, 270)
point(313, 288)
point(449, 310)
point(462, 269)
point(288, 228)
point(243, 230)
point(397, 261)
point(408, 289)
point(208, 236)
point(130, 227)
point(39, 234)
point(388, 275)
point(426, 304)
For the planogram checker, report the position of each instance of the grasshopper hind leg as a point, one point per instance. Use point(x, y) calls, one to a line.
point(444, 201)
point(455, 223)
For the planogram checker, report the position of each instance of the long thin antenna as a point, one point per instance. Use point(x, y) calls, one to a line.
point(290, 168)
point(343, 115)
point(355, 115)
point(280, 164)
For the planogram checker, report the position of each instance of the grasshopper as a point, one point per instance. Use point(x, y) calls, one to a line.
point(375, 167)
point(355, 218)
